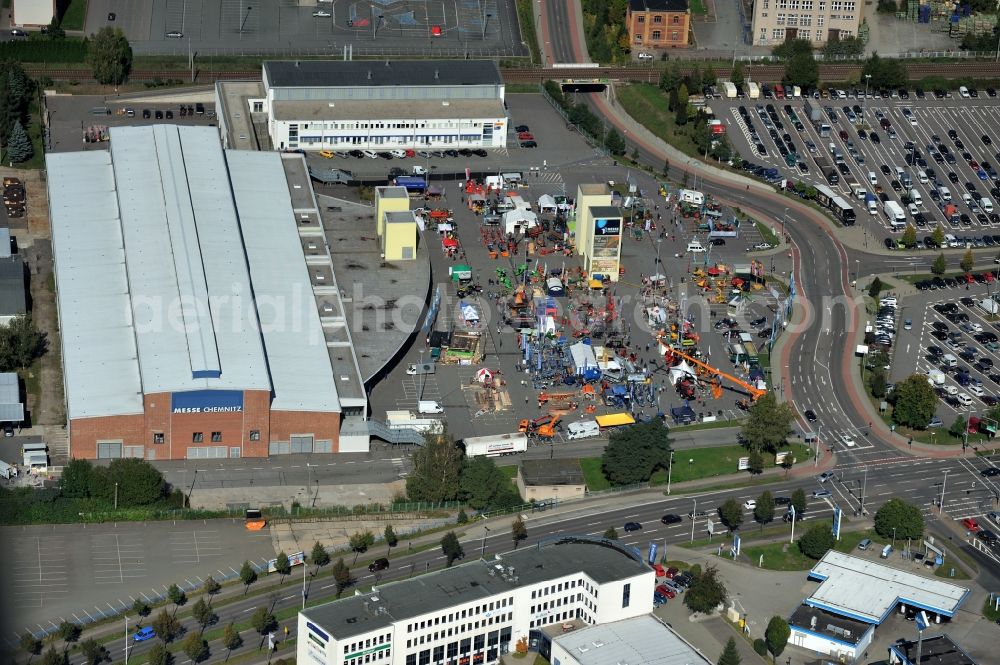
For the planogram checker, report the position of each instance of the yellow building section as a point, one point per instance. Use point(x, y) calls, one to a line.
point(389, 199)
point(614, 420)
point(399, 243)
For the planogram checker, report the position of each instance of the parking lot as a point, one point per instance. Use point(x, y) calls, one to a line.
point(903, 150)
point(954, 340)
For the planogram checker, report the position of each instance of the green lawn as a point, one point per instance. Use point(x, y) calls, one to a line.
point(698, 7)
point(510, 471)
point(693, 464)
point(648, 104)
point(593, 474)
point(766, 233)
point(715, 424)
point(990, 612)
point(75, 15)
point(786, 556)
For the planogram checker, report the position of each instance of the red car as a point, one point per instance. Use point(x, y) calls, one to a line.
point(671, 573)
point(970, 524)
point(664, 590)
point(411, 153)
point(525, 136)
point(658, 569)
point(974, 165)
point(435, 31)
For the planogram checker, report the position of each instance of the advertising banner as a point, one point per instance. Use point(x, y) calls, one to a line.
point(652, 553)
point(607, 227)
point(207, 401)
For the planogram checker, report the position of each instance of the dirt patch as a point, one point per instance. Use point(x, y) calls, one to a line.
point(46, 405)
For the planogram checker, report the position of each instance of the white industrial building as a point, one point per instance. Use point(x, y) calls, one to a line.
point(475, 612)
point(856, 595)
point(381, 105)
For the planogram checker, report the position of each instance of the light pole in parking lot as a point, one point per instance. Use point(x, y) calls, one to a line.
point(670, 469)
point(245, 17)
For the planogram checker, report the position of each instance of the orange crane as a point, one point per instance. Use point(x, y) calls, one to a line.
point(716, 375)
point(548, 430)
point(544, 398)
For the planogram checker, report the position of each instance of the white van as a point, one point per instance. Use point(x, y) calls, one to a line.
point(977, 390)
point(922, 177)
point(963, 399)
point(695, 246)
point(945, 193)
point(872, 178)
point(872, 206)
point(582, 429)
point(915, 197)
point(900, 172)
point(429, 406)
point(986, 205)
point(913, 209)
point(967, 199)
point(948, 360)
point(886, 551)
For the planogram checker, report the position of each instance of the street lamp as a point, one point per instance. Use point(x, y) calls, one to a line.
point(864, 104)
point(244, 21)
point(482, 554)
point(670, 469)
point(893, 537)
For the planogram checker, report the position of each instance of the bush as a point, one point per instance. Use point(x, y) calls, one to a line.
point(760, 646)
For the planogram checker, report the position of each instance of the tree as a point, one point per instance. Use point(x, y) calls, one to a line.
point(518, 531)
point(614, 142)
point(75, 481)
point(710, 77)
point(110, 56)
point(140, 607)
point(247, 575)
point(776, 635)
point(817, 541)
point(93, 652)
point(878, 383)
point(633, 453)
point(903, 519)
point(914, 402)
point(755, 463)
point(196, 648)
point(968, 260)
point(437, 469)
point(670, 78)
point(884, 72)
point(176, 596)
point(958, 426)
point(940, 265)
point(20, 342)
point(231, 638)
point(799, 501)
point(937, 235)
point(16, 92)
point(55, 31)
point(731, 514)
point(29, 644)
point(766, 427)
point(389, 536)
point(69, 631)
point(210, 586)
point(730, 655)
point(203, 614)
point(165, 626)
point(319, 556)
point(791, 47)
point(682, 104)
point(360, 542)
point(736, 76)
point(451, 548)
point(19, 148)
point(484, 486)
point(139, 482)
point(666, 167)
point(283, 566)
point(763, 513)
point(341, 575)
point(875, 287)
point(706, 592)
point(802, 70)
point(160, 655)
point(263, 621)
point(53, 657)
point(909, 236)
point(462, 517)
point(611, 533)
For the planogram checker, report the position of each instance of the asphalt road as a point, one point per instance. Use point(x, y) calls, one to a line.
point(967, 493)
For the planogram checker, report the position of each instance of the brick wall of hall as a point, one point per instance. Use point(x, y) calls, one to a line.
point(84, 433)
point(322, 426)
point(179, 429)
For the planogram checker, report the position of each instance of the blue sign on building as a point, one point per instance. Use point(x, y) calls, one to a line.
point(207, 401)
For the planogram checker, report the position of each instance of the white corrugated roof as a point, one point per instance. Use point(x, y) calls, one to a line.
point(33, 12)
point(297, 354)
point(101, 372)
point(640, 640)
point(868, 590)
point(191, 299)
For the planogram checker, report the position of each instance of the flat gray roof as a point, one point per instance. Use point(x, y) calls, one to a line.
point(13, 300)
point(868, 591)
point(605, 211)
point(472, 581)
point(835, 626)
point(11, 408)
point(642, 639)
point(377, 73)
point(400, 217)
point(552, 472)
point(382, 109)
point(301, 373)
point(936, 650)
point(393, 192)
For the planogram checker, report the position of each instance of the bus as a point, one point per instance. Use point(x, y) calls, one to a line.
point(255, 519)
point(843, 210)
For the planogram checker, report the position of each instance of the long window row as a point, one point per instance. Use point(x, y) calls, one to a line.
point(445, 633)
point(486, 647)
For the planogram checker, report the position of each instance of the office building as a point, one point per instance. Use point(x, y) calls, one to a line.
point(816, 21)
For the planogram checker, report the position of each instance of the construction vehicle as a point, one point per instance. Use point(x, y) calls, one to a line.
point(714, 375)
point(528, 426)
point(545, 398)
point(548, 430)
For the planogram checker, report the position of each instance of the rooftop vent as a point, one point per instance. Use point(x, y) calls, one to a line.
point(598, 644)
point(352, 619)
point(582, 649)
point(437, 74)
point(369, 75)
